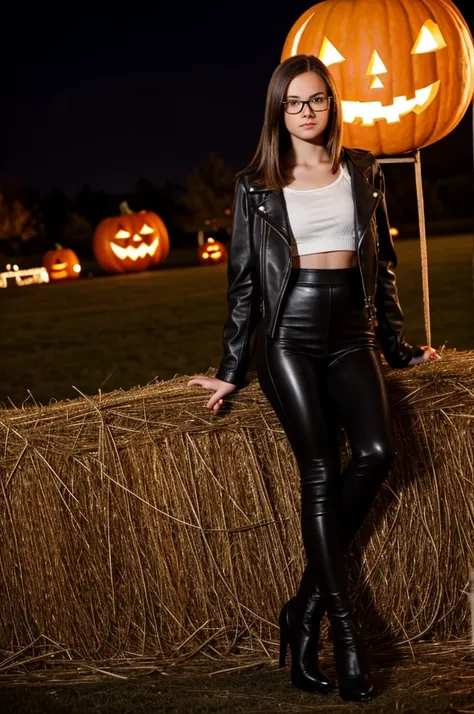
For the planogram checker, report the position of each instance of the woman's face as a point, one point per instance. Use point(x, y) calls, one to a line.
point(309, 124)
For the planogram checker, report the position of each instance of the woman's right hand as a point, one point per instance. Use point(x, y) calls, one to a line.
point(220, 388)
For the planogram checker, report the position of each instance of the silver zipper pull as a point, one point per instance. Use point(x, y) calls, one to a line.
point(369, 304)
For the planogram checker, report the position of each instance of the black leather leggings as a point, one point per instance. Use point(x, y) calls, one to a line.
point(322, 369)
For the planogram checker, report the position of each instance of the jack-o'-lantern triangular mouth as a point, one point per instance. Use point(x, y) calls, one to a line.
point(134, 253)
point(367, 113)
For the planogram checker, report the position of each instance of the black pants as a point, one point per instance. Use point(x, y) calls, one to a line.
point(322, 369)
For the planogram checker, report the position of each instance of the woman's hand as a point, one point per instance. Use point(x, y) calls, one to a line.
point(220, 388)
point(429, 355)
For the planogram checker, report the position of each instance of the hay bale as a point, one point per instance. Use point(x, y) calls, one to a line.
point(138, 523)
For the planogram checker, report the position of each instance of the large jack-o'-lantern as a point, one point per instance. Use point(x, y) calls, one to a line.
point(61, 263)
point(404, 68)
point(130, 242)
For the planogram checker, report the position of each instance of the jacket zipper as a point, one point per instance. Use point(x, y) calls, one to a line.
point(368, 301)
point(288, 269)
point(282, 292)
point(262, 271)
point(285, 279)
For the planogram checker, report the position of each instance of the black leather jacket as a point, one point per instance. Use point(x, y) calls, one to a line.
point(260, 261)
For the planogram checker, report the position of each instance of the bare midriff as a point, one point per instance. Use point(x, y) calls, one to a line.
point(326, 261)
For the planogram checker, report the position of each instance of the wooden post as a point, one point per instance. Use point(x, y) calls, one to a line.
point(415, 159)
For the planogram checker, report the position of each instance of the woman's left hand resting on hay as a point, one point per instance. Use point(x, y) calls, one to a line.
point(429, 355)
point(221, 389)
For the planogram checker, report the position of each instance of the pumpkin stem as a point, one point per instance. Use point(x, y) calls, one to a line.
point(58, 246)
point(125, 209)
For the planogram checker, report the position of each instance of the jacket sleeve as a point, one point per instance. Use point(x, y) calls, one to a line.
point(243, 295)
point(390, 328)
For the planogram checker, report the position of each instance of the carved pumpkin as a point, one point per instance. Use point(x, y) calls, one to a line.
point(61, 263)
point(130, 242)
point(404, 68)
point(212, 252)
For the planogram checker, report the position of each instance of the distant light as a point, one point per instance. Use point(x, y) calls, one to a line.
point(28, 276)
point(394, 232)
point(77, 268)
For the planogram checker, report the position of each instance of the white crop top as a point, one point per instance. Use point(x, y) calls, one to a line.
point(322, 219)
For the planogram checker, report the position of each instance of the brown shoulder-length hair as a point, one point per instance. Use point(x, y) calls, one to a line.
point(275, 139)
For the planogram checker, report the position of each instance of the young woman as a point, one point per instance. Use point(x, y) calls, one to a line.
point(310, 263)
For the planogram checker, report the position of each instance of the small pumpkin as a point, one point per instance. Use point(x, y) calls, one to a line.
point(404, 69)
point(212, 252)
point(61, 263)
point(130, 242)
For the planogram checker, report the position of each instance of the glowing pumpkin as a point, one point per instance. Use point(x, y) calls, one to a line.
point(130, 242)
point(61, 263)
point(404, 68)
point(212, 252)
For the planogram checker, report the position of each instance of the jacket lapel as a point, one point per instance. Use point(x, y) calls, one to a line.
point(366, 196)
point(271, 207)
point(271, 204)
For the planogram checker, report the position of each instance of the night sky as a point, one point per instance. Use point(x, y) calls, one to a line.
point(104, 97)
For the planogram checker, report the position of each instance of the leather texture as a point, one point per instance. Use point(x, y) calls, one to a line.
point(260, 263)
point(299, 628)
point(318, 376)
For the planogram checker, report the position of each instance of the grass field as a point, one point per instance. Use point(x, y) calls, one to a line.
point(428, 679)
point(122, 331)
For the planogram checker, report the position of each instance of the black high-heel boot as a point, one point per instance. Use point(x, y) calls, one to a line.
point(352, 667)
point(300, 630)
point(324, 550)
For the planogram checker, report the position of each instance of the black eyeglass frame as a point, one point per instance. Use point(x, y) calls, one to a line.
point(307, 101)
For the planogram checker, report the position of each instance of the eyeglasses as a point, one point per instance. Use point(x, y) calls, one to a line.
point(317, 104)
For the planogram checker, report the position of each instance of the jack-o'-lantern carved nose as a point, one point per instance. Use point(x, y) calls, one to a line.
point(137, 238)
point(376, 67)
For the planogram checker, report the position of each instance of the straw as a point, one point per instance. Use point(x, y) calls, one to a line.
point(139, 524)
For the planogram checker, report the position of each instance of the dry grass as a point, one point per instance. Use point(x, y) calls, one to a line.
point(137, 526)
point(433, 677)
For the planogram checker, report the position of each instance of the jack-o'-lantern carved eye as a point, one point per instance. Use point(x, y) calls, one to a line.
point(146, 230)
point(429, 39)
point(328, 54)
point(122, 234)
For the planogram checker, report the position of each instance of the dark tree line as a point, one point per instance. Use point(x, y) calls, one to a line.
point(31, 223)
